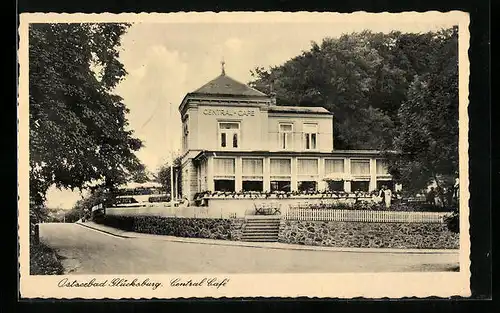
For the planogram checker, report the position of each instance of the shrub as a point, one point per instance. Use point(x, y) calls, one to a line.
point(216, 228)
point(373, 206)
point(453, 222)
point(44, 261)
point(126, 223)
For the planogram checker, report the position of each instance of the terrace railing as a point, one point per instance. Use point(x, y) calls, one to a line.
point(306, 214)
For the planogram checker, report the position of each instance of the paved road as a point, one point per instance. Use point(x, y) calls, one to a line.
point(88, 251)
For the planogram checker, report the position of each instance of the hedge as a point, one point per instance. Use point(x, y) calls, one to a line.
point(225, 229)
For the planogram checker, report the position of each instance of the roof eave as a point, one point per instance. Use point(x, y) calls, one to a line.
point(284, 111)
point(201, 94)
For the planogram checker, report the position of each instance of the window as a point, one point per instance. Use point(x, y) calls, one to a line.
point(307, 166)
point(310, 133)
point(281, 171)
point(307, 169)
point(360, 167)
point(252, 167)
point(185, 132)
point(252, 185)
point(334, 166)
point(281, 167)
point(224, 166)
point(229, 133)
point(285, 136)
point(336, 185)
point(224, 174)
point(360, 186)
point(382, 167)
point(308, 186)
point(252, 174)
point(226, 185)
point(280, 185)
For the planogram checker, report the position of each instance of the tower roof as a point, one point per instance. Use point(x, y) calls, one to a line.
point(227, 86)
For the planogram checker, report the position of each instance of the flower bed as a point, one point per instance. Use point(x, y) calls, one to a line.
point(373, 206)
point(199, 197)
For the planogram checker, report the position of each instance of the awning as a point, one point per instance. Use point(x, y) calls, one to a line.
point(133, 185)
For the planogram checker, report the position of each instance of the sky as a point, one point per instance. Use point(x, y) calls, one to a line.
point(165, 61)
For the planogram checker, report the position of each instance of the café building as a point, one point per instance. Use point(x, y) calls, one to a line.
point(235, 138)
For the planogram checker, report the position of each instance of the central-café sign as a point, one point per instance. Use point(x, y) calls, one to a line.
point(229, 112)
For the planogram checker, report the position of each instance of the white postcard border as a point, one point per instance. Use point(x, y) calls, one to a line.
point(339, 285)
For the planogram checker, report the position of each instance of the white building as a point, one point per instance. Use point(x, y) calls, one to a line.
point(235, 138)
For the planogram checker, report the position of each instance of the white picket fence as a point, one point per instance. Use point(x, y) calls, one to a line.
point(305, 214)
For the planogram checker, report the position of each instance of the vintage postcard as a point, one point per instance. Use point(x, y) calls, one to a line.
point(242, 154)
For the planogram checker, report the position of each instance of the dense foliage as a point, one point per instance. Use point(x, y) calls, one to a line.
point(395, 91)
point(213, 228)
point(44, 261)
point(96, 197)
point(428, 131)
point(163, 176)
point(78, 127)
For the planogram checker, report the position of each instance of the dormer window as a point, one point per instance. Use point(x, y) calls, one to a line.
point(229, 133)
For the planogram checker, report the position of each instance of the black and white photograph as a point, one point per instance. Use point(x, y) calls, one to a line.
point(171, 155)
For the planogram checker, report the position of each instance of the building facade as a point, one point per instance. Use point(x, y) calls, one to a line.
point(235, 138)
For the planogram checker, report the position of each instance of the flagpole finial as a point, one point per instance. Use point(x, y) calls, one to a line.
point(222, 63)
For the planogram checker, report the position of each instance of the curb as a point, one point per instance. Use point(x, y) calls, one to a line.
point(104, 231)
point(298, 248)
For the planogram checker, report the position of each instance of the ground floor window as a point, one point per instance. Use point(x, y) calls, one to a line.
point(281, 185)
point(252, 185)
point(388, 183)
point(226, 185)
point(308, 186)
point(334, 185)
point(360, 186)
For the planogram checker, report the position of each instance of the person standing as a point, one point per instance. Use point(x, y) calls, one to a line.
point(439, 196)
point(431, 196)
point(387, 196)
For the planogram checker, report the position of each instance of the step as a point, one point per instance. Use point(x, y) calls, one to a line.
point(263, 217)
point(259, 240)
point(260, 231)
point(261, 227)
point(274, 229)
point(251, 226)
point(262, 223)
point(260, 235)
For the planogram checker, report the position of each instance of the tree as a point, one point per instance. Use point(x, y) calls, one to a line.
point(164, 173)
point(428, 133)
point(78, 127)
point(362, 78)
point(97, 196)
point(141, 175)
point(352, 77)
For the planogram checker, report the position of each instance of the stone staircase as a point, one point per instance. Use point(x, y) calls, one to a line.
point(261, 229)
